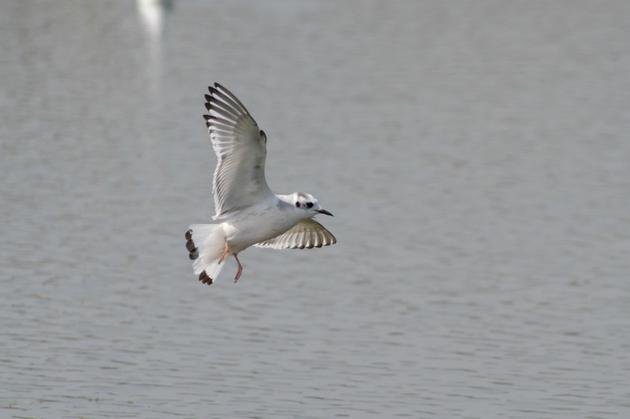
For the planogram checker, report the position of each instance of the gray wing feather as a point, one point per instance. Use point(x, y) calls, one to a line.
point(306, 234)
point(241, 149)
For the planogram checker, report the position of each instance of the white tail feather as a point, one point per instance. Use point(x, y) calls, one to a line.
point(206, 245)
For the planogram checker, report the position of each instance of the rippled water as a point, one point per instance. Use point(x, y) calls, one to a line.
point(476, 156)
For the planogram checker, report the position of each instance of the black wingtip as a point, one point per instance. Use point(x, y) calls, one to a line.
point(218, 86)
point(208, 106)
point(193, 252)
point(205, 279)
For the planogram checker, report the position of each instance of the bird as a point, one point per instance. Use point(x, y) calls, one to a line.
point(247, 212)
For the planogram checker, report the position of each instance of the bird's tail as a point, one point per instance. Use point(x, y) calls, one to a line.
point(206, 246)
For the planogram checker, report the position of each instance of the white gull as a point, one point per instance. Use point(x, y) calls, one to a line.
point(247, 212)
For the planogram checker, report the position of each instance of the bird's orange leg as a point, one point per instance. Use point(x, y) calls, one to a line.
point(225, 254)
point(240, 269)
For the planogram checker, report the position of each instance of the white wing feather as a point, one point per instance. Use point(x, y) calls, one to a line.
point(304, 235)
point(241, 148)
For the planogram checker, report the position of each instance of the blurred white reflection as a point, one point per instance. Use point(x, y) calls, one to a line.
point(152, 16)
point(151, 13)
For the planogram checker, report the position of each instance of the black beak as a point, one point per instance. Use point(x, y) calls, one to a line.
point(323, 211)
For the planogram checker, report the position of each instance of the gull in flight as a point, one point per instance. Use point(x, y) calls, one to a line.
point(246, 211)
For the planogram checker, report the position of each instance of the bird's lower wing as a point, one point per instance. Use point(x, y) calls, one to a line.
point(304, 235)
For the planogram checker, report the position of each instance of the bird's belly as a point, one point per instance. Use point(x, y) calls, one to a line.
point(254, 228)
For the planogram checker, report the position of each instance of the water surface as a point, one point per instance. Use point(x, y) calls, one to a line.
point(475, 154)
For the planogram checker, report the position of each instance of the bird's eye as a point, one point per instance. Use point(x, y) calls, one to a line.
point(309, 204)
point(297, 204)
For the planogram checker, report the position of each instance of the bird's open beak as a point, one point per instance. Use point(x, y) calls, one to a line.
point(323, 211)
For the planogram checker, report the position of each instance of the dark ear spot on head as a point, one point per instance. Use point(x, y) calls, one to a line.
point(297, 204)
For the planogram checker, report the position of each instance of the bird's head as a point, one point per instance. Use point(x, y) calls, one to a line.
point(307, 203)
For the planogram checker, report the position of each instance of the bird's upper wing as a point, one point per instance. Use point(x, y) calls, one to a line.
point(241, 148)
point(304, 235)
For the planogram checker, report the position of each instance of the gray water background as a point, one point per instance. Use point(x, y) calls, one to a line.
point(476, 155)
